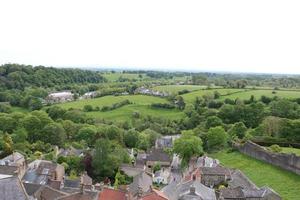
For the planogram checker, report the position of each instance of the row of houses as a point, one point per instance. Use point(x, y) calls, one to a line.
point(66, 96)
point(147, 91)
point(204, 179)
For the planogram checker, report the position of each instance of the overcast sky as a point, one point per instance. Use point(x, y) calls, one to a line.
point(211, 35)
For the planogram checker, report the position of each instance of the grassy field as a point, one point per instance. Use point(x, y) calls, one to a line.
point(287, 184)
point(190, 97)
point(177, 88)
point(258, 93)
point(140, 103)
point(117, 75)
point(291, 150)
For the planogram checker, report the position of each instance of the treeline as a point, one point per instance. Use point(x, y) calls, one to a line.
point(15, 76)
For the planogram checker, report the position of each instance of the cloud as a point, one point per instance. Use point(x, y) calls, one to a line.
point(233, 35)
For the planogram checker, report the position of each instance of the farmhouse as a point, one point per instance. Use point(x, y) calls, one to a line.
point(158, 156)
point(59, 97)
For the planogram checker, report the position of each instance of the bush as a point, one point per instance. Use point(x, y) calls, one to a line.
point(275, 148)
point(88, 108)
point(115, 106)
point(162, 105)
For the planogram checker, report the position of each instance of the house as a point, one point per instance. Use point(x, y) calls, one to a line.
point(191, 189)
point(240, 193)
point(13, 164)
point(166, 141)
point(154, 195)
point(89, 95)
point(131, 170)
point(158, 156)
point(59, 97)
point(11, 187)
point(86, 181)
point(112, 194)
point(48, 193)
point(141, 184)
point(162, 176)
point(44, 172)
point(213, 176)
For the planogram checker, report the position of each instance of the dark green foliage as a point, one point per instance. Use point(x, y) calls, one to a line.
point(216, 138)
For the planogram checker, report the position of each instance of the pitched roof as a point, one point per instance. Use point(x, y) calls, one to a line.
point(155, 195)
point(86, 195)
point(214, 171)
point(48, 193)
point(141, 182)
point(182, 191)
point(111, 194)
point(232, 193)
point(12, 188)
point(31, 188)
point(158, 155)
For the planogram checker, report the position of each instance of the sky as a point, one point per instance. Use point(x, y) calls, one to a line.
point(211, 35)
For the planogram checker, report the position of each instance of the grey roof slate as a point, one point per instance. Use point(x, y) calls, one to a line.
point(142, 181)
point(12, 188)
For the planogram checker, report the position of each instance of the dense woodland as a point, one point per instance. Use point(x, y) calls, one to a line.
point(209, 123)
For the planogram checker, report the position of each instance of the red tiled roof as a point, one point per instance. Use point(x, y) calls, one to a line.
point(155, 195)
point(111, 194)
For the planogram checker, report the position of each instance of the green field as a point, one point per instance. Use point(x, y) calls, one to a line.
point(258, 93)
point(140, 103)
point(287, 184)
point(291, 150)
point(117, 75)
point(190, 97)
point(177, 88)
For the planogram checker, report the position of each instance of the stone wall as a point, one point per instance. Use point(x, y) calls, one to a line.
point(290, 162)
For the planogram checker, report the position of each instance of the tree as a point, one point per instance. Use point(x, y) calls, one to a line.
point(105, 163)
point(54, 133)
point(213, 121)
point(216, 138)
point(238, 130)
point(143, 142)
point(88, 108)
point(7, 144)
point(87, 133)
point(284, 108)
point(56, 112)
point(180, 102)
point(131, 138)
point(186, 146)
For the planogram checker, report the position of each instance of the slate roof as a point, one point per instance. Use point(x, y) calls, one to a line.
point(12, 159)
point(12, 188)
point(86, 195)
point(238, 179)
point(72, 183)
point(158, 155)
point(111, 194)
point(182, 191)
point(214, 171)
point(130, 170)
point(8, 170)
point(31, 188)
point(48, 193)
point(232, 193)
point(142, 181)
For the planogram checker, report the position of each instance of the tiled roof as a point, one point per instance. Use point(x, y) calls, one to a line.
point(12, 188)
point(111, 194)
point(86, 195)
point(232, 193)
point(214, 171)
point(155, 195)
point(48, 193)
point(141, 182)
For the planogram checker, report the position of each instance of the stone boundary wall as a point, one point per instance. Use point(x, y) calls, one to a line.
point(290, 162)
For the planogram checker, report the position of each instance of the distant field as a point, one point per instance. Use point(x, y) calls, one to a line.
point(258, 93)
point(117, 75)
point(141, 103)
point(291, 150)
point(287, 184)
point(125, 113)
point(190, 97)
point(177, 88)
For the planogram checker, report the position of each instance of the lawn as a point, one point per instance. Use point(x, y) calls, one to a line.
point(140, 103)
point(177, 88)
point(291, 150)
point(287, 184)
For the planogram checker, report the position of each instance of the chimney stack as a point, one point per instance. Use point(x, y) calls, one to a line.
point(192, 190)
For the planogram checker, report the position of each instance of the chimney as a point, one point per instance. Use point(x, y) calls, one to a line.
point(192, 190)
point(82, 188)
point(140, 191)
